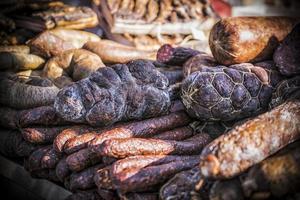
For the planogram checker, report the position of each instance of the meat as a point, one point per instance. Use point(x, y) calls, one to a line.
point(41, 135)
point(120, 148)
point(113, 52)
point(120, 92)
point(67, 134)
point(76, 63)
point(181, 186)
point(22, 96)
point(275, 176)
point(175, 56)
point(20, 61)
point(176, 134)
point(229, 93)
point(251, 142)
point(247, 39)
point(195, 63)
point(146, 128)
point(135, 179)
point(286, 55)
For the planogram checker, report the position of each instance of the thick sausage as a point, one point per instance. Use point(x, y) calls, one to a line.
point(247, 39)
point(112, 52)
point(251, 142)
point(275, 176)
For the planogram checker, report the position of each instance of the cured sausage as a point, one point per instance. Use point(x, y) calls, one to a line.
point(67, 134)
point(247, 39)
point(120, 148)
point(251, 142)
point(40, 135)
point(85, 179)
point(275, 176)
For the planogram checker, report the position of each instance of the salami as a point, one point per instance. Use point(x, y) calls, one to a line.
point(251, 142)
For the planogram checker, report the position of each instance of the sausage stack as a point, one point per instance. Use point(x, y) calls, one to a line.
point(107, 123)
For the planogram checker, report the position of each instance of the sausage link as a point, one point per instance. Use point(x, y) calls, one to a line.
point(40, 135)
point(85, 179)
point(177, 134)
point(62, 171)
point(50, 159)
point(120, 148)
point(82, 159)
point(251, 142)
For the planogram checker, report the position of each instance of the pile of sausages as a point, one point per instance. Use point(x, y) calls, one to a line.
point(174, 154)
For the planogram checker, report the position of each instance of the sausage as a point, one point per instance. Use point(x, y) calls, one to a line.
point(195, 63)
point(284, 90)
point(112, 52)
point(251, 142)
point(78, 142)
point(247, 39)
point(15, 48)
point(67, 134)
point(82, 159)
point(62, 171)
point(50, 159)
point(174, 75)
point(108, 160)
point(175, 56)
point(20, 61)
point(40, 135)
point(177, 134)
point(275, 176)
point(44, 115)
point(48, 44)
point(84, 180)
point(143, 128)
point(34, 160)
point(23, 96)
point(120, 148)
point(286, 55)
point(76, 63)
point(182, 186)
point(139, 162)
point(103, 179)
point(138, 179)
point(153, 10)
